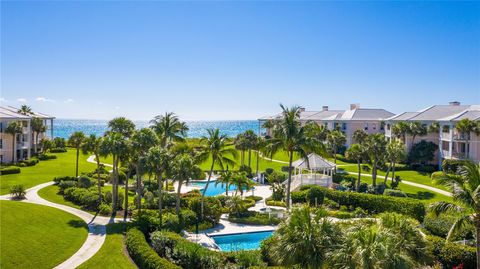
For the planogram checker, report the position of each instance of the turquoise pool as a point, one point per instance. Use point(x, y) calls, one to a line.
point(244, 241)
point(213, 189)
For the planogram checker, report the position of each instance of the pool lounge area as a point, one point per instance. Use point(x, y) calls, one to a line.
point(213, 189)
point(241, 241)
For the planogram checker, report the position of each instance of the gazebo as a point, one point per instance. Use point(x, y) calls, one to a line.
point(320, 171)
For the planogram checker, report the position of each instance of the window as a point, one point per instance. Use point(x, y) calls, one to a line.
point(365, 127)
point(344, 126)
point(388, 127)
point(335, 125)
point(374, 126)
point(1, 143)
point(1, 158)
point(1, 127)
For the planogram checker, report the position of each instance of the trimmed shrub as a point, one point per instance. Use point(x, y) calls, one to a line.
point(452, 254)
point(86, 198)
point(45, 157)
point(9, 170)
point(58, 150)
point(269, 201)
point(185, 253)
point(30, 162)
point(315, 195)
point(144, 256)
point(255, 198)
point(254, 218)
point(440, 226)
point(247, 258)
point(85, 182)
point(105, 209)
point(18, 191)
point(247, 202)
point(396, 193)
point(63, 185)
point(370, 202)
point(57, 180)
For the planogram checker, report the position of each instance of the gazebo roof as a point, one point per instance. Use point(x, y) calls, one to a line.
point(315, 162)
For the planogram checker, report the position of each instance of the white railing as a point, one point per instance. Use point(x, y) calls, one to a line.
point(310, 179)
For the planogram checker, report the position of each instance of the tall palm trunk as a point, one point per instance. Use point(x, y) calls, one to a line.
point(256, 170)
point(114, 182)
point(99, 180)
point(289, 182)
point(76, 164)
point(36, 142)
point(13, 149)
point(160, 197)
point(478, 242)
point(393, 170)
point(139, 197)
point(388, 172)
point(359, 163)
point(125, 207)
point(243, 157)
point(177, 205)
point(206, 187)
point(249, 157)
point(226, 188)
point(374, 173)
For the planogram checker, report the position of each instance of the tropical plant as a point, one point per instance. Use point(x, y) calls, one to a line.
point(158, 160)
point(416, 129)
point(46, 144)
point(336, 139)
point(169, 128)
point(226, 178)
point(434, 127)
point(184, 169)
point(14, 128)
point(75, 140)
point(466, 126)
point(305, 239)
point(289, 135)
point(241, 145)
point(259, 146)
point(18, 191)
point(37, 127)
point(400, 130)
point(360, 136)
point(236, 205)
point(318, 135)
point(422, 152)
point(25, 110)
point(356, 153)
point(465, 187)
point(395, 153)
point(218, 148)
point(92, 144)
point(375, 148)
point(121, 125)
point(242, 182)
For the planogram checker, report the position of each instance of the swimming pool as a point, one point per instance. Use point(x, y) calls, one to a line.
point(213, 190)
point(243, 241)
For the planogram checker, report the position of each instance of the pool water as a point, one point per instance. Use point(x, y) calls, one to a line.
point(213, 189)
point(244, 241)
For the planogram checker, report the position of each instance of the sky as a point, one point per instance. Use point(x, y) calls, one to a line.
point(236, 60)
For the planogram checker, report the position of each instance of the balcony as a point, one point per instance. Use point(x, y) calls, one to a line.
point(22, 145)
point(461, 136)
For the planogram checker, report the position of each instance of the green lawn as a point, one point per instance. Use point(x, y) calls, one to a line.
point(45, 171)
point(35, 236)
point(113, 253)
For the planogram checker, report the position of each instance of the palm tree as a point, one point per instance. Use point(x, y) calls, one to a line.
point(318, 134)
point(360, 136)
point(184, 169)
point(395, 153)
point(356, 153)
point(466, 126)
point(92, 144)
point(115, 144)
point(217, 147)
point(226, 178)
point(25, 110)
point(122, 125)
point(242, 182)
point(251, 140)
point(306, 239)
point(158, 160)
point(416, 129)
point(236, 205)
point(241, 144)
point(142, 140)
point(375, 148)
point(169, 128)
point(289, 135)
point(14, 128)
point(37, 127)
point(400, 130)
point(336, 139)
point(75, 140)
point(45, 144)
point(434, 127)
point(465, 186)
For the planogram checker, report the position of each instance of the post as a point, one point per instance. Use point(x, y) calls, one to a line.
point(29, 139)
point(440, 147)
point(51, 128)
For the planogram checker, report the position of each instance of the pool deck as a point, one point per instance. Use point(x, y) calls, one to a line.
point(227, 227)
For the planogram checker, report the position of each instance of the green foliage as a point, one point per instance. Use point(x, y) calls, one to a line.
point(18, 191)
point(58, 150)
point(185, 253)
point(253, 218)
point(85, 182)
point(30, 162)
point(59, 142)
point(441, 224)
point(422, 152)
point(87, 198)
point(278, 191)
point(144, 256)
point(10, 170)
point(57, 180)
point(247, 258)
point(65, 184)
point(452, 254)
point(269, 201)
point(396, 193)
point(105, 209)
point(315, 195)
point(45, 157)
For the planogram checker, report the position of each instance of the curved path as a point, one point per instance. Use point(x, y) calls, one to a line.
point(96, 226)
point(418, 185)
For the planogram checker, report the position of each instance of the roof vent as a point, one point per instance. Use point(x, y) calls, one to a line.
point(354, 106)
point(301, 109)
point(324, 108)
point(454, 103)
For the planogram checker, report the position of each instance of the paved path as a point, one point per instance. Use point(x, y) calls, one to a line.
point(96, 226)
point(91, 159)
point(418, 185)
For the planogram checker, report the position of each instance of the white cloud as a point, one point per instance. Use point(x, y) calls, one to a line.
point(43, 99)
point(69, 100)
point(21, 100)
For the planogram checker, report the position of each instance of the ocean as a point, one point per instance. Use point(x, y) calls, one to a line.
point(65, 127)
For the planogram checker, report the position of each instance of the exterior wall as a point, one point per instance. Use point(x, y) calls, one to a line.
point(370, 127)
point(21, 147)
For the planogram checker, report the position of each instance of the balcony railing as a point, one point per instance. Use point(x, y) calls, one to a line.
point(22, 144)
point(461, 136)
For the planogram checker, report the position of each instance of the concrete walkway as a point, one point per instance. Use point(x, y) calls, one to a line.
point(96, 226)
point(418, 185)
point(91, 159)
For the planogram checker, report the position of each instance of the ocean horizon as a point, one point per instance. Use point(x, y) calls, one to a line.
point(65, 127)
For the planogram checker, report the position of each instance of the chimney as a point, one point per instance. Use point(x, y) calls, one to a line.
point(302, 109)
point(454, 103)
point(324, 108)
point(354, 106)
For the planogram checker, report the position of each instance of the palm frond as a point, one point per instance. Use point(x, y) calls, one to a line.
point(444, 207)
point(459, 225)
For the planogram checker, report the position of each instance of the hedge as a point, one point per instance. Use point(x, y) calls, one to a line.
point(44, 157)
point(370, 202)
point(9, 170)
point(58, 150)
point(144, 256)
point(452, 254)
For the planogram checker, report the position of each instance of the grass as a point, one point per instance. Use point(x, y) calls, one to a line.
point(50, 193)
point(45, 171)
point(36, 236)
point(113, 253)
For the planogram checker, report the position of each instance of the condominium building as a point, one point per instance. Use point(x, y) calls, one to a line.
point(452, 144)
point(26, 140)
point(371, 120)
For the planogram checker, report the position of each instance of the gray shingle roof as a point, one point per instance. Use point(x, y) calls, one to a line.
point(403, 116)
point(438, 112)
point(366, 114)
point(8, 112)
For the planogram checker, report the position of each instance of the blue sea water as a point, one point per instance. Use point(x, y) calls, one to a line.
point(64, 127)
point(244, 241)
